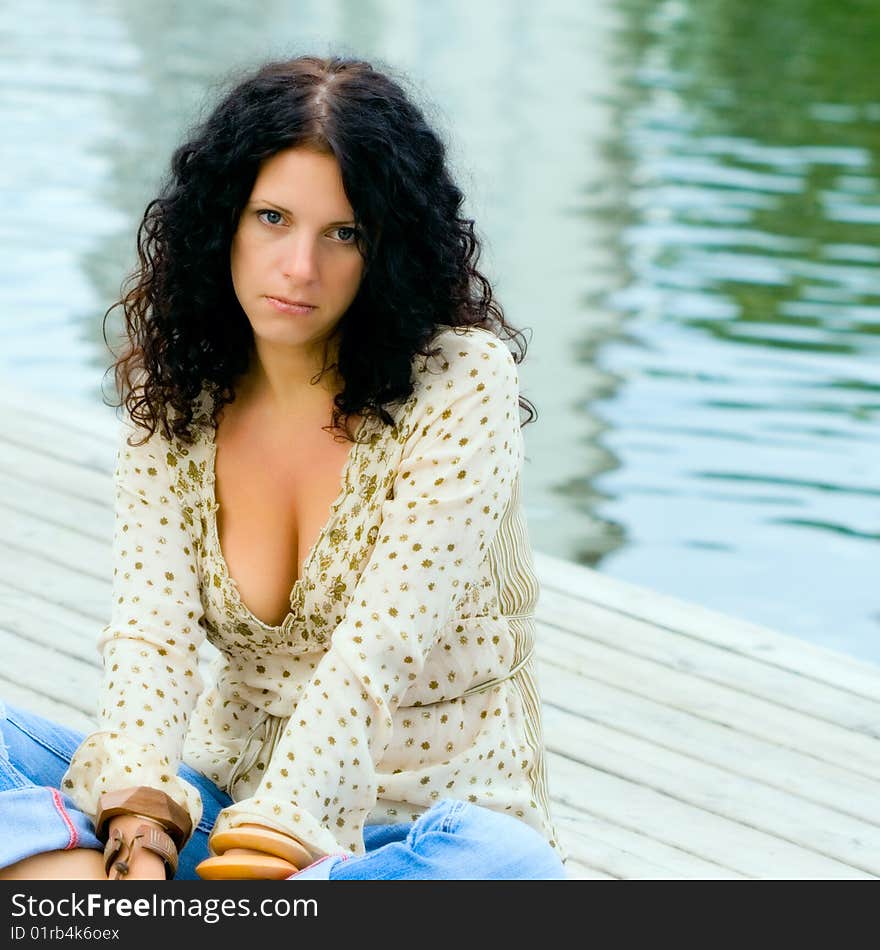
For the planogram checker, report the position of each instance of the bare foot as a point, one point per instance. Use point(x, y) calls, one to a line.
point(78, 864)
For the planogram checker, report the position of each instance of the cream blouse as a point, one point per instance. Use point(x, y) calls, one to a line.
point(403, 673)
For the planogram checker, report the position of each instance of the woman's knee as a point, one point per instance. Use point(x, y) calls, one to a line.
point(468, 841)
point(39, 748)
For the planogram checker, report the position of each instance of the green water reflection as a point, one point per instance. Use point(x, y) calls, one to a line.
point(747, 211)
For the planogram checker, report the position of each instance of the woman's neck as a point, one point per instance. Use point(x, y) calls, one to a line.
point(286, 381)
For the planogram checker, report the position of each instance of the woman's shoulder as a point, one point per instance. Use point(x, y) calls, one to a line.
point(467, 352)
point(473, 371)
point(136, 440)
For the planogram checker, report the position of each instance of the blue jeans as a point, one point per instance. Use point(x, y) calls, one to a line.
point(453, 840)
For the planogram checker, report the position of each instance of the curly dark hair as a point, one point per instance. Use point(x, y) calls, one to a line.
point(184, 327)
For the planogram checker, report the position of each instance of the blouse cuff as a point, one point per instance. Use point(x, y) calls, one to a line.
point(103, 763)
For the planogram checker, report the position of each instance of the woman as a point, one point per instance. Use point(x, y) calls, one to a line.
point(321, 397)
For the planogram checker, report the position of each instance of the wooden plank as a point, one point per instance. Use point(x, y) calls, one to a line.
point(69, 678)
point(54, 582)
point(25, 529)
point(709, 662)
point(809, 826)
point(37, 664)
point(32, 619)
point(46, 437)
point(52, 472)
point(628, 855)
point(55, 506)
point(742, 754)
point(760, 718)
point(666, 819)
point(58, 545)
point(61, 677)
point(81, 417)
point(53, 677)
point(15, 693)
point(708, 626)
point(604, 857)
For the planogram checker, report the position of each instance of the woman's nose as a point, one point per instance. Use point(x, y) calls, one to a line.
point(300, 259)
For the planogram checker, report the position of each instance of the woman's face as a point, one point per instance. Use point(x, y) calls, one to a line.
point(294, 244)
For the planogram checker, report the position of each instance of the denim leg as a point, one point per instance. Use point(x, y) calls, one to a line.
point(34, 815)
point(453, 841)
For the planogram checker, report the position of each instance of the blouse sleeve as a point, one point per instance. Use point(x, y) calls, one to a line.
point(150, 646)
point(452, 487)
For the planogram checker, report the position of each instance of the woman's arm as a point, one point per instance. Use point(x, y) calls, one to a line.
point(150, 646)
point(452, 488)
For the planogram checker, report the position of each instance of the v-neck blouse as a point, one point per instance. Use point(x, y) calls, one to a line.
point(403, 672)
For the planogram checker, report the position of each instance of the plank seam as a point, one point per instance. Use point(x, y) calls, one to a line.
point(684, 852)
point(707, 678)
point(47, 453)
point(55, 603)
point(656, 743)
point(646, 783)
point(708, 718)
point(660, 625)
point(101, 578)
point(72, 705)
point(93, 663)
point(11, 473)
point(72, 420)
point(99, 539)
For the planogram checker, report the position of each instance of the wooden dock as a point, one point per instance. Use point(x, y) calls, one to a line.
point(683, 743)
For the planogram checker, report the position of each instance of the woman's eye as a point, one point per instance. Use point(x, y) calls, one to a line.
point(346, 235)
point(263, 216)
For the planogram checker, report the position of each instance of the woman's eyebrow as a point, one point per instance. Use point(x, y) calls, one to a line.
point(263, 202)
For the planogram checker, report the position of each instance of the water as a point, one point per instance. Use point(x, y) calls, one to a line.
point(680, 203)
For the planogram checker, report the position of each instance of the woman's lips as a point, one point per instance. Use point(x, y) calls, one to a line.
point(285, 307)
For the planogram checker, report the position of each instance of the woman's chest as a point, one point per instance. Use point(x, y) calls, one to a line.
point(274, 498)
point(313, 559)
